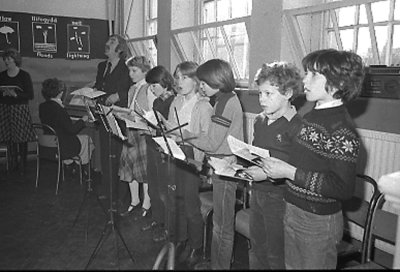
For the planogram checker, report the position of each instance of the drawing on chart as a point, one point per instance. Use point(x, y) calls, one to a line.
point(78, 38)
point(9, 35)
point(44, 37)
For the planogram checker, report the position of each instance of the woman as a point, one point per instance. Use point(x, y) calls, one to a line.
point(16, 128)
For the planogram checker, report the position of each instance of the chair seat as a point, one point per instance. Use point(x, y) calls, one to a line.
point(242, 222)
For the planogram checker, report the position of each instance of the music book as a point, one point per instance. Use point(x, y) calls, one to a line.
point(88, 92)
point(10, 88)
point(247, 152)
point(112, 122)
point(233, 170)
point(132, 121)
point(175, 149)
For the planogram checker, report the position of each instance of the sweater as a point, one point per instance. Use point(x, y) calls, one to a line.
point(325, 154)
point(22, 80)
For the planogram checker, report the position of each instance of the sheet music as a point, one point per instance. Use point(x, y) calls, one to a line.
point(248, 152)
point(115, 128)
point(10, 90)
point(224, 168)
point(88, 92)
point(132, 121)
point(175, 149)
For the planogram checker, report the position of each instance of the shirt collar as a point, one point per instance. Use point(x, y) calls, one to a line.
point(58, 101)
point(288, 115)
point(330, 104)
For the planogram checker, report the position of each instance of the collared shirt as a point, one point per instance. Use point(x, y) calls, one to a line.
point(58, 101)
point(288, 115)
point(330, 104)
point(184, 108)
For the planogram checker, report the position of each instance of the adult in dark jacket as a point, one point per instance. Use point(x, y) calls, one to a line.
point(53, 113)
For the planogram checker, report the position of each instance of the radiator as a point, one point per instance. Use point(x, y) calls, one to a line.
point(379, 155)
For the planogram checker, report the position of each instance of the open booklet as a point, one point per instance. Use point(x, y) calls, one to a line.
point(111, 122)
point(247, 152)
point(175, 149)
point(233, 170)
point(138, 120)
point(88, 92)
point(10, 89)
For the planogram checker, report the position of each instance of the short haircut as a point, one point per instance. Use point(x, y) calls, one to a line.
point(159, 74)
point(14, 54)
point(187, 68)
point(51, 87)
point(286, 76)
point(122, 46)
point(139, 61)
point(217, 74)
point(344, 71)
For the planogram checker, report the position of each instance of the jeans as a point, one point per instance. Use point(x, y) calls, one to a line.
point(311, 239)
point(267, 210)
point(224, 199)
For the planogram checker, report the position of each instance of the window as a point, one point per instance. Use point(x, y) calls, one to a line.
point(371, 28)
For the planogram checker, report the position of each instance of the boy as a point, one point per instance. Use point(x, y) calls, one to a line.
point(322, 166)
point(274, 129)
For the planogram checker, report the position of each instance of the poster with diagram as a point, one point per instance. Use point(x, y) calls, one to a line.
point(9, 35)
point(78, 38)
point(44, 37)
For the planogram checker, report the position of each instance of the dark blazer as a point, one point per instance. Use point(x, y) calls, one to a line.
point(52, 114)
point(117, 82)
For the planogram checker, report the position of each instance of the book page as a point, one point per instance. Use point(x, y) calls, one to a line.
point(132, 121)
point(223, 168)
point(88, 92)
point(248, 152)
point(175, 149)
point(112, 122)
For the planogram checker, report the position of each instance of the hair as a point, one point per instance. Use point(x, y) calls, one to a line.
point(14, 54)
point(139, 61)
point(285, 76)
point(122, 46)
point(217, 74)
point(344, 71)
point(159, 74)
point(51, 87)
point(188, 68)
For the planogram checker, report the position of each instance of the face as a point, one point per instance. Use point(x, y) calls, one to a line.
point(110, 47)
point(136, 73)
point(9, 62)
point(271, 100)
point(186, 85)
point(157, 89)
point(207, 90)
point(314, 87)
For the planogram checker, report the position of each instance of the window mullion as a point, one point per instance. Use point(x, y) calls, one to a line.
point(390, 29)
point(336, 29)
point(230, 51)
point(197, 46)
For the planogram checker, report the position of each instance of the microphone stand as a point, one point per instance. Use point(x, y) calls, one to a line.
point(110, 225)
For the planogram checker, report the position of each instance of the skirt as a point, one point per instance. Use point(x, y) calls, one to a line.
point(133, 161)
point(16, 124)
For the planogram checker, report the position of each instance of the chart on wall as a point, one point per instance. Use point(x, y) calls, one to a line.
point(46, 36)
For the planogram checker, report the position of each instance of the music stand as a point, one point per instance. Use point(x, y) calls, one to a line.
point(89, 189)
point(111, 127)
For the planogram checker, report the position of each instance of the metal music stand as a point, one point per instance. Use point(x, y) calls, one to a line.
point(89, 189)
point(110, 225)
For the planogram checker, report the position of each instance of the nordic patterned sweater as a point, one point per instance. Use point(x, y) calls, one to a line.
point(325, 154)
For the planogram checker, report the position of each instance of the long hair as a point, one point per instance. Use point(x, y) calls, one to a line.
point(217, 74)
point(159, 74)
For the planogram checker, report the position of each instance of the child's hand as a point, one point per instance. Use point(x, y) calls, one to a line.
point(276, 168)
point(256, 173)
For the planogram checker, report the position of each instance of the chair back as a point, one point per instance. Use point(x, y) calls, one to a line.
point(48, 146)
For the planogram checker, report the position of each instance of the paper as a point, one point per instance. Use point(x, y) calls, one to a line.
point(132, 121)
point(10, 90)
point(112, 122)
point(175, 149)
point(88, 92)
point(223, 168)
point(248, 152)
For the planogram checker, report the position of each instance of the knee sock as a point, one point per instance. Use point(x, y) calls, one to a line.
point(134, 188)
point(146, 200)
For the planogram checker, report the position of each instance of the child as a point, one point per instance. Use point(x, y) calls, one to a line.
point(274, 129)
point(216, 78)
point(162, 86)
point(194, 109)
point(322, 167)
point(133, 161)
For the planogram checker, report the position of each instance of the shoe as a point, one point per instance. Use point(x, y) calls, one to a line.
point(143, 213)
point(194, 257)
point(130, 210)
point(150, 226)
point(160, 234)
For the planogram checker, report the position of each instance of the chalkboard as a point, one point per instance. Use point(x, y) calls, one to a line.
point(46, 36)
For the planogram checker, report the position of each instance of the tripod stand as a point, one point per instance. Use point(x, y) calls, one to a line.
point(110, 226)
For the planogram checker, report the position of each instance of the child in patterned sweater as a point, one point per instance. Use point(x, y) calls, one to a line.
point(322, 167)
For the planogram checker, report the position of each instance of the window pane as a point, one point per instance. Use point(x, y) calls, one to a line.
point(396, 45)
point(380, 11)
point(332, 43)
point(208, 12)
point(397, 10)
point(363, 15)
point(381, 38)
point(364, 45)
point(346, 16)
point(241, 8)
point(153, 9)
point(347, 39)
point(152, 28)
point(223, 10)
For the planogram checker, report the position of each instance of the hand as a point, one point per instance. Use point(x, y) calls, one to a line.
point(10, 92)
point(256, 173)
point(112, 99)
point(276, 168)
point(85, 118)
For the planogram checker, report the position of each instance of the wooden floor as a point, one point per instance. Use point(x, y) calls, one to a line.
point(37, 231)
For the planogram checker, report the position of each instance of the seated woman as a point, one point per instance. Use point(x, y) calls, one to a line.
point(53, 113)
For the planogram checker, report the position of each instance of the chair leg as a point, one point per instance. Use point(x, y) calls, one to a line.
point(60, 168)
point(37, 165)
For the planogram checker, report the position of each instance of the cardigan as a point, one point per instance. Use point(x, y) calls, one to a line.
point(325, 153)
point(22, 80)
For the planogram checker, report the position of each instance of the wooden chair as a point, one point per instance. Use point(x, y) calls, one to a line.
point(48, 147)
point(383, 227)
point(357, 211)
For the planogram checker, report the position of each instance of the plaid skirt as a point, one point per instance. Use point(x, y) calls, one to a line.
point(133, 162)
point(16, 124)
